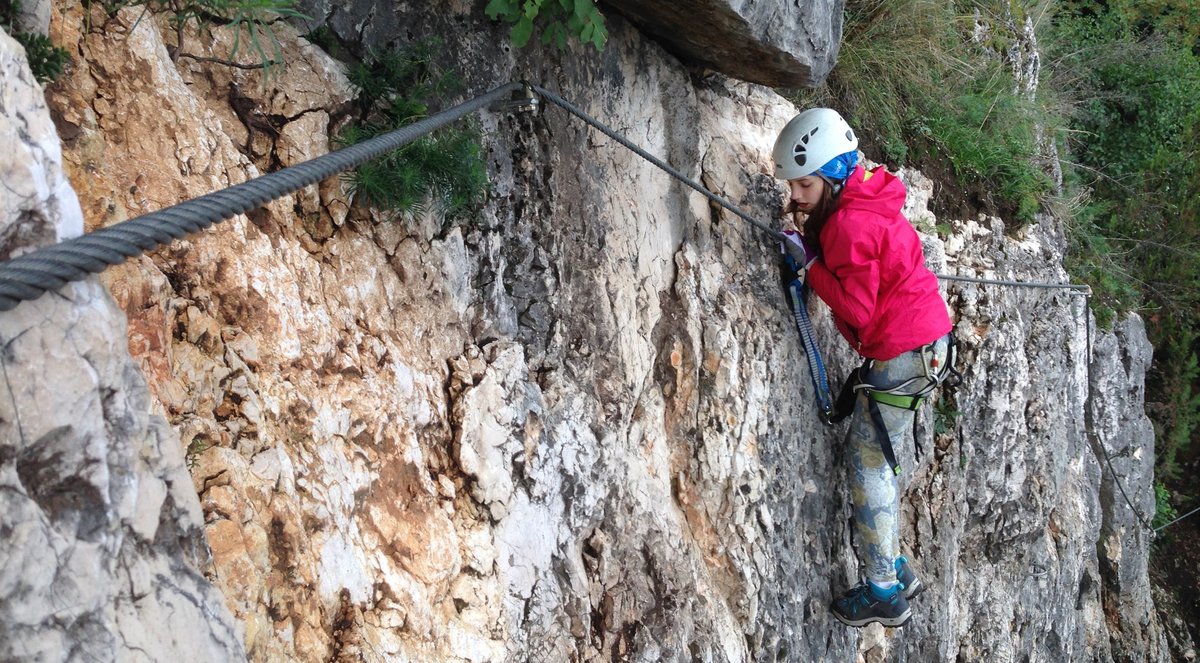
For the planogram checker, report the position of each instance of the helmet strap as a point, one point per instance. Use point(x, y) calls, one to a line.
point(835, 186)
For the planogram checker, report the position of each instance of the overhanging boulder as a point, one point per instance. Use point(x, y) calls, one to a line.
point(779, 43)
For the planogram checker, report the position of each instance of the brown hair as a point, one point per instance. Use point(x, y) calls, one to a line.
point(816, 218)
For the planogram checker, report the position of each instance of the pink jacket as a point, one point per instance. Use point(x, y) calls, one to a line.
point(872, 273)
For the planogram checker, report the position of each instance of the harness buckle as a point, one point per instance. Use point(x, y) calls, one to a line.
point(829, 417)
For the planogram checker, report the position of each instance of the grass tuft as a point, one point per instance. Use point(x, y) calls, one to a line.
point(926, 84)
point(397, 87)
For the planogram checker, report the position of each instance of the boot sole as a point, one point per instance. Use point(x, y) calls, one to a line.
point(894, 622)
point(915, 588)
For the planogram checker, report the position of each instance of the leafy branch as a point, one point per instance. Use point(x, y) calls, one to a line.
point(248, 19)
point(45, 59)
point(560, 19)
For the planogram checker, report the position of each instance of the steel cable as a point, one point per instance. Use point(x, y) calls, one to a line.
point(602, 128)
point(774, 234)
point(31, 275)
point(1189, 513)
point(1081, 289)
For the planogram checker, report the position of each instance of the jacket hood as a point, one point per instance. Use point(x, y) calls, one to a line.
point(875, 190)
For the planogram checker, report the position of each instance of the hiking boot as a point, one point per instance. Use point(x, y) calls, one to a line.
point(908, 579)
point(860, 606)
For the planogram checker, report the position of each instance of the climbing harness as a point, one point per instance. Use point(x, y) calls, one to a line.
point(908, 395)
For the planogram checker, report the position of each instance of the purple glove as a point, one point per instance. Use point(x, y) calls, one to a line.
point(795, 247)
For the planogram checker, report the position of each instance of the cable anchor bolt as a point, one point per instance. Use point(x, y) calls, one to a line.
point(523, 100)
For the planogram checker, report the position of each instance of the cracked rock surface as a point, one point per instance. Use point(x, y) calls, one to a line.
point(576, 425)
point(102, 548)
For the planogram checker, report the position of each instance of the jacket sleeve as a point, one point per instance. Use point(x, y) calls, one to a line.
point(848, 277)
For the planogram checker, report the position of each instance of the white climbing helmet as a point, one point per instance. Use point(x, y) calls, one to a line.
point(810, 140)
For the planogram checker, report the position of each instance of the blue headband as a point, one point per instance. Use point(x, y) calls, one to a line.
point(837, 169)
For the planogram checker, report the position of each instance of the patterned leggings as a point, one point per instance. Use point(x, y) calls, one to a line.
point(873, 485)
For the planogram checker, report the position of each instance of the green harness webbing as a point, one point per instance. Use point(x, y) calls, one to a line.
point(899, 396)
point(902, 401)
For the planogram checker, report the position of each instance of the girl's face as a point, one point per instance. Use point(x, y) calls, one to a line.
point(806, 192)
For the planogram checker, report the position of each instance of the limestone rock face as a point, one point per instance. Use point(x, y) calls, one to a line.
point(101, 540)
point(1119, 427)
point(34, 16)
point(576, 425)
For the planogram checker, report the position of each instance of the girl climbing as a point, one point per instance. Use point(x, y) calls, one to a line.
point(856, 250)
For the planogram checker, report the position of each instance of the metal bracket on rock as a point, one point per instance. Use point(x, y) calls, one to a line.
point(522, 100)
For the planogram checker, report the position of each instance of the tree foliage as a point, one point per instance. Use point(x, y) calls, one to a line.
point(1134, 74)
point(557, 20)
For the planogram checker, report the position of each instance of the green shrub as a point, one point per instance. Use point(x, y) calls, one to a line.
point(195, 449)
point(1135, 79)
point(396, 88)
point(323, 37)
point(921, 90)
point(988, 135)
point(249, 19)
point(559, 19)
point(945, 416)
point(1164, 511)
point(46, 60)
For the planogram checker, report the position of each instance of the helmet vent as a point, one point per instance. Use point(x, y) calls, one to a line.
point(801, 148)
